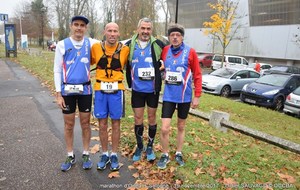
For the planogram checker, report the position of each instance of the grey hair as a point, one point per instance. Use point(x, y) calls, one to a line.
point(145, 19)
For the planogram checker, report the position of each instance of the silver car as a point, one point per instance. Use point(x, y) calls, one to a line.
point(227, 81)
point(292, 103)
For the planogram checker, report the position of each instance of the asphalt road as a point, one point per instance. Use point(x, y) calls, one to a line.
point(32, 143)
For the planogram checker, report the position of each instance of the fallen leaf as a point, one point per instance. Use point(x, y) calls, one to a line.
point(199, 171)
point(222, 168)
point(131, 167)
point(253, 170)
point(115, 174)
point(288, 178)
point(136, 175)
point(229, 181)
point(95, 149)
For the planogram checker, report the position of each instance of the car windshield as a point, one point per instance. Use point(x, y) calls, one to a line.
point(217, 58)
point(279, 68)
point(297, 91)
point(274, 80)
point(223, 72)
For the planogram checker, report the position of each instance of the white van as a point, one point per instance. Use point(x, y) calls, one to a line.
point(229, 61)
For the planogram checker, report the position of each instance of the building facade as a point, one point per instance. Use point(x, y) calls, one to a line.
point(270, 29)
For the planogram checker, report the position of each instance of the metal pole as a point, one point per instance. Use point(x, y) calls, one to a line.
point(176, 12)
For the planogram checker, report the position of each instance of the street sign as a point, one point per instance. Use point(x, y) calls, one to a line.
point(3, 17)
point(10, 40)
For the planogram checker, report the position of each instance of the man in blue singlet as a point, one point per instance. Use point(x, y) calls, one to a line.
point(181, 70)
point(73, 87)
point(144, 77)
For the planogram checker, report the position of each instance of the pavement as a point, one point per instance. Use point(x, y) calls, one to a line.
point(32, 143)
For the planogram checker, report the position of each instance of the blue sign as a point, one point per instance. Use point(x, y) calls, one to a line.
point(3, 17)
point(10, 39)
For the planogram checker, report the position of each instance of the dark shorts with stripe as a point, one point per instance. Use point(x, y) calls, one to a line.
point(84, 103)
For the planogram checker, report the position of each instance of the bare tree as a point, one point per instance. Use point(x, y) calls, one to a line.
point(162, 4)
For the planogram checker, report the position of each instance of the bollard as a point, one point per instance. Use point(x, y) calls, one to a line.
point(215, 120)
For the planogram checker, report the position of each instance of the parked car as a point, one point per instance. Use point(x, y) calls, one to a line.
point(282, 69)
point(263, 67)
point(270, 90)
point(292, 103)
point(205, 60)
point(51, 45)
point(229, 60)
point(227, 81)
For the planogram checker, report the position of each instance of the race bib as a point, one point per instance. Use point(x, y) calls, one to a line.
point(109, 87)
point(146, 73)
point(173, 78)
point(73, 88)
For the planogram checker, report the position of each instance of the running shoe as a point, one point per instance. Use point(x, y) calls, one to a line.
point(179, 159)
point(104, 160)
point(114, 163)
point(137, 154)
point(87, 163)
point(150, 154)
point(163, 161)
point(68, 163)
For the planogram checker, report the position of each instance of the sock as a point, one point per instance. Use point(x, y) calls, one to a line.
point(106, 153)
point(151, 134)
point(178, 153)
point(71, 153)
point(138, 130)
point(113, 153)
point(85, 152)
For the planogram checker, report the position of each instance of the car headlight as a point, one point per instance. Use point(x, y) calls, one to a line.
point(272, 92)
point(213, 83)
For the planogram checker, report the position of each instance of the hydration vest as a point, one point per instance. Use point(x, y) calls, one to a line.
point(115, 61)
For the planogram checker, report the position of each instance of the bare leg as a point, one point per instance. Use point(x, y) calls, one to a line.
point(180, 133)
point(138, 115)
point(115, 134)
point(86, 130)
point(151, 116)
point(103, 134)
point(69, 120)
point(165, 133)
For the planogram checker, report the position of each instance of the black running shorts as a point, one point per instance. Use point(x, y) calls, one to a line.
point(84, 103)
point(168, 109)
point(138, 99)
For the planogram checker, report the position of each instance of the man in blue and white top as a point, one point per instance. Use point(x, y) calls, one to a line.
point(73, 87)
point(144, 77)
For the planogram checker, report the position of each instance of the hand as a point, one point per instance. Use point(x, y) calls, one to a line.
point(195, 102)
point(60, 101)
point(162, 67)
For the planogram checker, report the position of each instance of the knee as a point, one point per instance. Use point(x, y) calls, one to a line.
point(151, 118)
point(181, 128)
point(165, 130)
point(138, 119)
point(69, 126)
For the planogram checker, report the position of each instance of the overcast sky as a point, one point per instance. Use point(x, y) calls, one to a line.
point(9, 6)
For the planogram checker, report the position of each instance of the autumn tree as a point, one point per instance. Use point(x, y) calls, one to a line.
point(224, 25)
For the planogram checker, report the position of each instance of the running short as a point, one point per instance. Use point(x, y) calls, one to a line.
point(138, 99)
point(109, 105)
point(84, 103)
point(168, 109)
